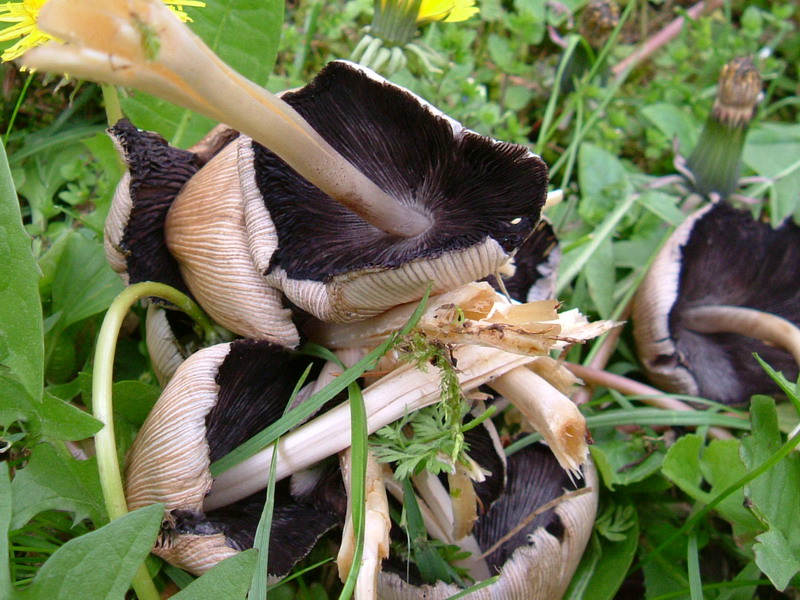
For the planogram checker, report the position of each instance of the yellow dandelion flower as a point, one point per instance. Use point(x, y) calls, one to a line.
point(449, 11)
point(23, 16)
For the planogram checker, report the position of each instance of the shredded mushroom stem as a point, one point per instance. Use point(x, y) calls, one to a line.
point(376, 529)
point(550, 412)
point(404, 390)
point(745, 321)
point(141, 44)
point(472, 314)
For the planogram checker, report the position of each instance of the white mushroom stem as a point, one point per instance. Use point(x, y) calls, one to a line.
point(548, 411)
point(745, 321)
point(376, 529)
point(440, 504)
point(141, 44)
point(433, 493)
point(401, 392)
point(432, 504)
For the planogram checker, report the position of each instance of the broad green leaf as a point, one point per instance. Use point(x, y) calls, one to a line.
point(21, 337)
point(774, 496)
point(623, 460)
point(84, 284)
point(603, 180)
point(604, 564)
point(5, 522)
point(601, 278)
point(688, 464)
point(99, 565)
point(244, 34)
point(230, 580)
point(53, 480)
point(133, 400)
point(51, 417)
point(664, 206)
point(674, 121)
point(770, 150)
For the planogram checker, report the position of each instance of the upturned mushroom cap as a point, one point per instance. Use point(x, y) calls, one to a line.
point(719, 256)
point(218, 398)
point(537, 562)
point(482, 196)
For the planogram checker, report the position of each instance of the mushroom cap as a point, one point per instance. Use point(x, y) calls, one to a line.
point(718, 256)
point(483, 196)
point(205, 232)
point(538, 562)
point(219, 397)
point(134, 240)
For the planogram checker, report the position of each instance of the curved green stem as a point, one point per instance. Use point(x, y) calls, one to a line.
point(102, 381)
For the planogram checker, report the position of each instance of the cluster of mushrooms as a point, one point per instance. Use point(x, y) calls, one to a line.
point(276, 261)
point(325, 216)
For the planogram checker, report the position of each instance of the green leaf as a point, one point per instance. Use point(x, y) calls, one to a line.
point(604, 182)
point(664, 206)
point(244, 34)
point(770, 149)
point(5, 522)
point(84, 284)
point(720, 466)
point(53, 480)
point(21, 337)
point(622, 460)
point(230, 580)
point(601, 278)
point(674, 121)
point(777, 550)
point(51, 417)
point(605, 563)
point(133, 400)
point(99, 565)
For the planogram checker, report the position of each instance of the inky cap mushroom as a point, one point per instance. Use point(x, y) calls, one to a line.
point(722, 287)
point(483, 198)
point(217, 399)
point(537, 560)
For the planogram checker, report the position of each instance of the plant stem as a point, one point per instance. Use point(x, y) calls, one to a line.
point(17, 106)
point(111, 102)
point(633, 388)
point(102, 381)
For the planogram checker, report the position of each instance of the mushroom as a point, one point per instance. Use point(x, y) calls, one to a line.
point(482, 196)
point(535, 557)
point(447, 205)
point(218, 398)
point(723, 287)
